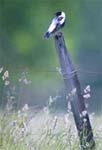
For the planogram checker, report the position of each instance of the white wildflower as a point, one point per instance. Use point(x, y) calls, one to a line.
point(66, 120)
point(1, 69)
point(87, 95)
point(53, 99)
point(7, 82)
point(25, 108)
point(50, 100)
point(46, 110)
point(55, 122)
point(55, 118)
point(19, 79)
point(3, 78)
point(84, 120)
point(87, 144)
point(59, 70)
point(87, 89)
point(69, 106)
point(84, 113)
point(19, 113)
point(26, 81)
point(6, 75)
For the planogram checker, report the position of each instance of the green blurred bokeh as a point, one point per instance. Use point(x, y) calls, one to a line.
point(23, 48)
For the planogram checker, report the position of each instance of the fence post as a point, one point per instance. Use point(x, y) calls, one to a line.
point(72, 85)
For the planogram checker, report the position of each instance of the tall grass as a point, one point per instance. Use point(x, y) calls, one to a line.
point(21, 131)
point(30, 129)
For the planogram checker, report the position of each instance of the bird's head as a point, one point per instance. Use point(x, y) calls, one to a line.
point(60, 16)
point(58, 13)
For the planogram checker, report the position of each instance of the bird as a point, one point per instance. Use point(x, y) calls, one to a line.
point(57, 23)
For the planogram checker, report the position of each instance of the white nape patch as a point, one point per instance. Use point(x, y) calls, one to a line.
point(63, 14)
point(63, 20)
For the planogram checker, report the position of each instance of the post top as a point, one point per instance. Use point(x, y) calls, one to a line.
point(58, 35)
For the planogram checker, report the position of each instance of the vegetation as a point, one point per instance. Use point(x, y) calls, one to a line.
point(29, 72)
point(21, 131)
point(22, 26)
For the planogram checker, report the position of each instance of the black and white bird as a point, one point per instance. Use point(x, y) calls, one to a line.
point(57, 23)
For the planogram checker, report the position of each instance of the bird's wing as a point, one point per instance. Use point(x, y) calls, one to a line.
point(52, 26)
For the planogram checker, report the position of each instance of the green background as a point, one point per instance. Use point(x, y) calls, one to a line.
point(23, 48)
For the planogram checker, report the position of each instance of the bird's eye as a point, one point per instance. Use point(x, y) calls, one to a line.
point(60, 18)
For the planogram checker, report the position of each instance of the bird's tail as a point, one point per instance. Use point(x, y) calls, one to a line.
point(47, 35)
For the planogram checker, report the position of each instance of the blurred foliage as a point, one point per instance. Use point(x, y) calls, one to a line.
point(22, 46)
point(23, 24)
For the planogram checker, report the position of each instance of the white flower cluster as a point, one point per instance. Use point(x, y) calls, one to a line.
point(55, 122)
point(87, 91)
point(1, 69)
point(20, 125)
point(5, 76)
point(24, 79)
point(53, 99)
point(59, 70)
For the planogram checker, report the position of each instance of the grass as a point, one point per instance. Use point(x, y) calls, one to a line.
point(33, 129)
point(41, 131)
